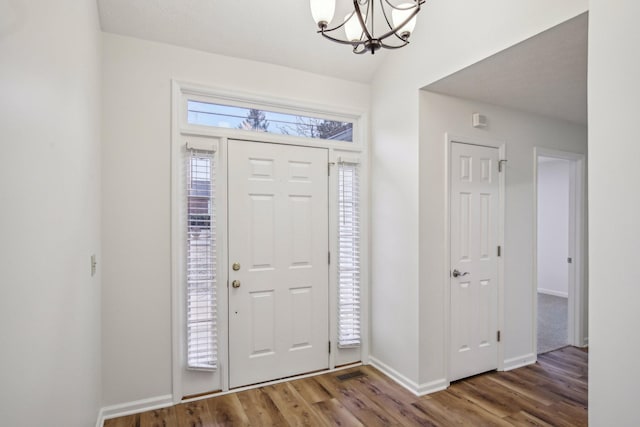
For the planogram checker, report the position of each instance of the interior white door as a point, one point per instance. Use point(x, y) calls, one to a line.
point(278, 241)
point(474, 199)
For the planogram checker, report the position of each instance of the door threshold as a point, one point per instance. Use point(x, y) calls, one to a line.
point(203, 396)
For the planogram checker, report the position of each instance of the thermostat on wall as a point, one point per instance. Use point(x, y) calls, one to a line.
point(479, 120)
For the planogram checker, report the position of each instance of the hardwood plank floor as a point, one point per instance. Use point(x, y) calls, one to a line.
point(552, 392)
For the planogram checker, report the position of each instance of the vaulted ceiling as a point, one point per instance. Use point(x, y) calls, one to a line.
point(545, 74)
point(275, 31)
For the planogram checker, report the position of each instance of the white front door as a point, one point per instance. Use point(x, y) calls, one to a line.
point(278, 241)
point(474, 206)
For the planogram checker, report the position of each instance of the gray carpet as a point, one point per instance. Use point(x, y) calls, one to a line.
point(552, 322)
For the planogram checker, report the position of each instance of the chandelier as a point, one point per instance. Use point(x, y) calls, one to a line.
point(359, 24)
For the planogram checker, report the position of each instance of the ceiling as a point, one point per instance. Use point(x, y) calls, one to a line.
point(546, 74)
point(274, 31)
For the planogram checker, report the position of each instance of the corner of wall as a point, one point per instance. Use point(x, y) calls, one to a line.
point(128, 408)
point(519, 361)
point(412, 386)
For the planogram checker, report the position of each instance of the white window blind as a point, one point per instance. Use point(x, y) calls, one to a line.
point(348, 255)
point(202, 351)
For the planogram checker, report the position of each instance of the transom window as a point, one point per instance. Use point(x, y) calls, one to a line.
point(264, 120)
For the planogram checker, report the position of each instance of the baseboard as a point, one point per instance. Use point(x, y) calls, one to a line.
point(432, 387)
point(128, 408)
point(100, 421)
point(413, 387)
point(519, 362)
point(553, 293)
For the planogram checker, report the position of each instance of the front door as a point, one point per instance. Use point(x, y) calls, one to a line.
point(474, 220)
point(278, 272)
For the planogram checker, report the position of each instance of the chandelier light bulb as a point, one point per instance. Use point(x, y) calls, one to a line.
point(323, 11)
point(352, 27)
point(400, 15)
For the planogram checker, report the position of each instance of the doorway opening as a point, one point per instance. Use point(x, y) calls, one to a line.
point(558, 249)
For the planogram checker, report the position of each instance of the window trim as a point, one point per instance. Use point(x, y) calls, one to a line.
point(189, 92)
point(180, 370)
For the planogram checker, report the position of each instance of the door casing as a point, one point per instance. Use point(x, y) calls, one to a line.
point(181, 131)
point(501, 146)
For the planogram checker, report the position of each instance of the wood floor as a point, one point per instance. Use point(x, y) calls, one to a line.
point(553, 392)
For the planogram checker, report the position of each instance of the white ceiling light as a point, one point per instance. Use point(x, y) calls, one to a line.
point(322, 11)
point(359, 24)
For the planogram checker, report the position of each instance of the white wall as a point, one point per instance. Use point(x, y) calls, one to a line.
point(50, 213)
point(521, 132)
point(450, 35)
point(614, 67)
point(553, 226)
point(136, 198)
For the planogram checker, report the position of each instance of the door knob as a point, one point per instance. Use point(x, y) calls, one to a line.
point(235, 284)
point(236, 266)
point(456, 273)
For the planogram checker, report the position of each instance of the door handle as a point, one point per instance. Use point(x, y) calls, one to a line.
point(456, 273)
point(235, 284)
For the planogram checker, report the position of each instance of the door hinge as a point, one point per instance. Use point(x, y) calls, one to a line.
point(329, 347)
point(499, 250)
point(498, 336)
point(329, 167)
point(329, 257)
point(569, 260)
point(500, 164)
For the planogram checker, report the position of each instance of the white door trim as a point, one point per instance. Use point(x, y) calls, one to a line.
point(577, 214)
point(180, 92)
point(501, 146)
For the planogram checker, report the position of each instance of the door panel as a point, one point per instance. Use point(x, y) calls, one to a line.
point(262, 230)
point(474, 234)
point(278, 233)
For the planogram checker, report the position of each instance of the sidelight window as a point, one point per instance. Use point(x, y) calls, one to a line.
point(201, 275)
point(349, 308)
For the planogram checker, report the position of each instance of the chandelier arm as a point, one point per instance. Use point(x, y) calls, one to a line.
point(356, 6)
point(384, 13)
point(361, 51)
point(358, 43)
point(337, 27)
point(418, 3)
point(386, 18)
point(387, 46)
point(395, 30)
point(367, 17)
